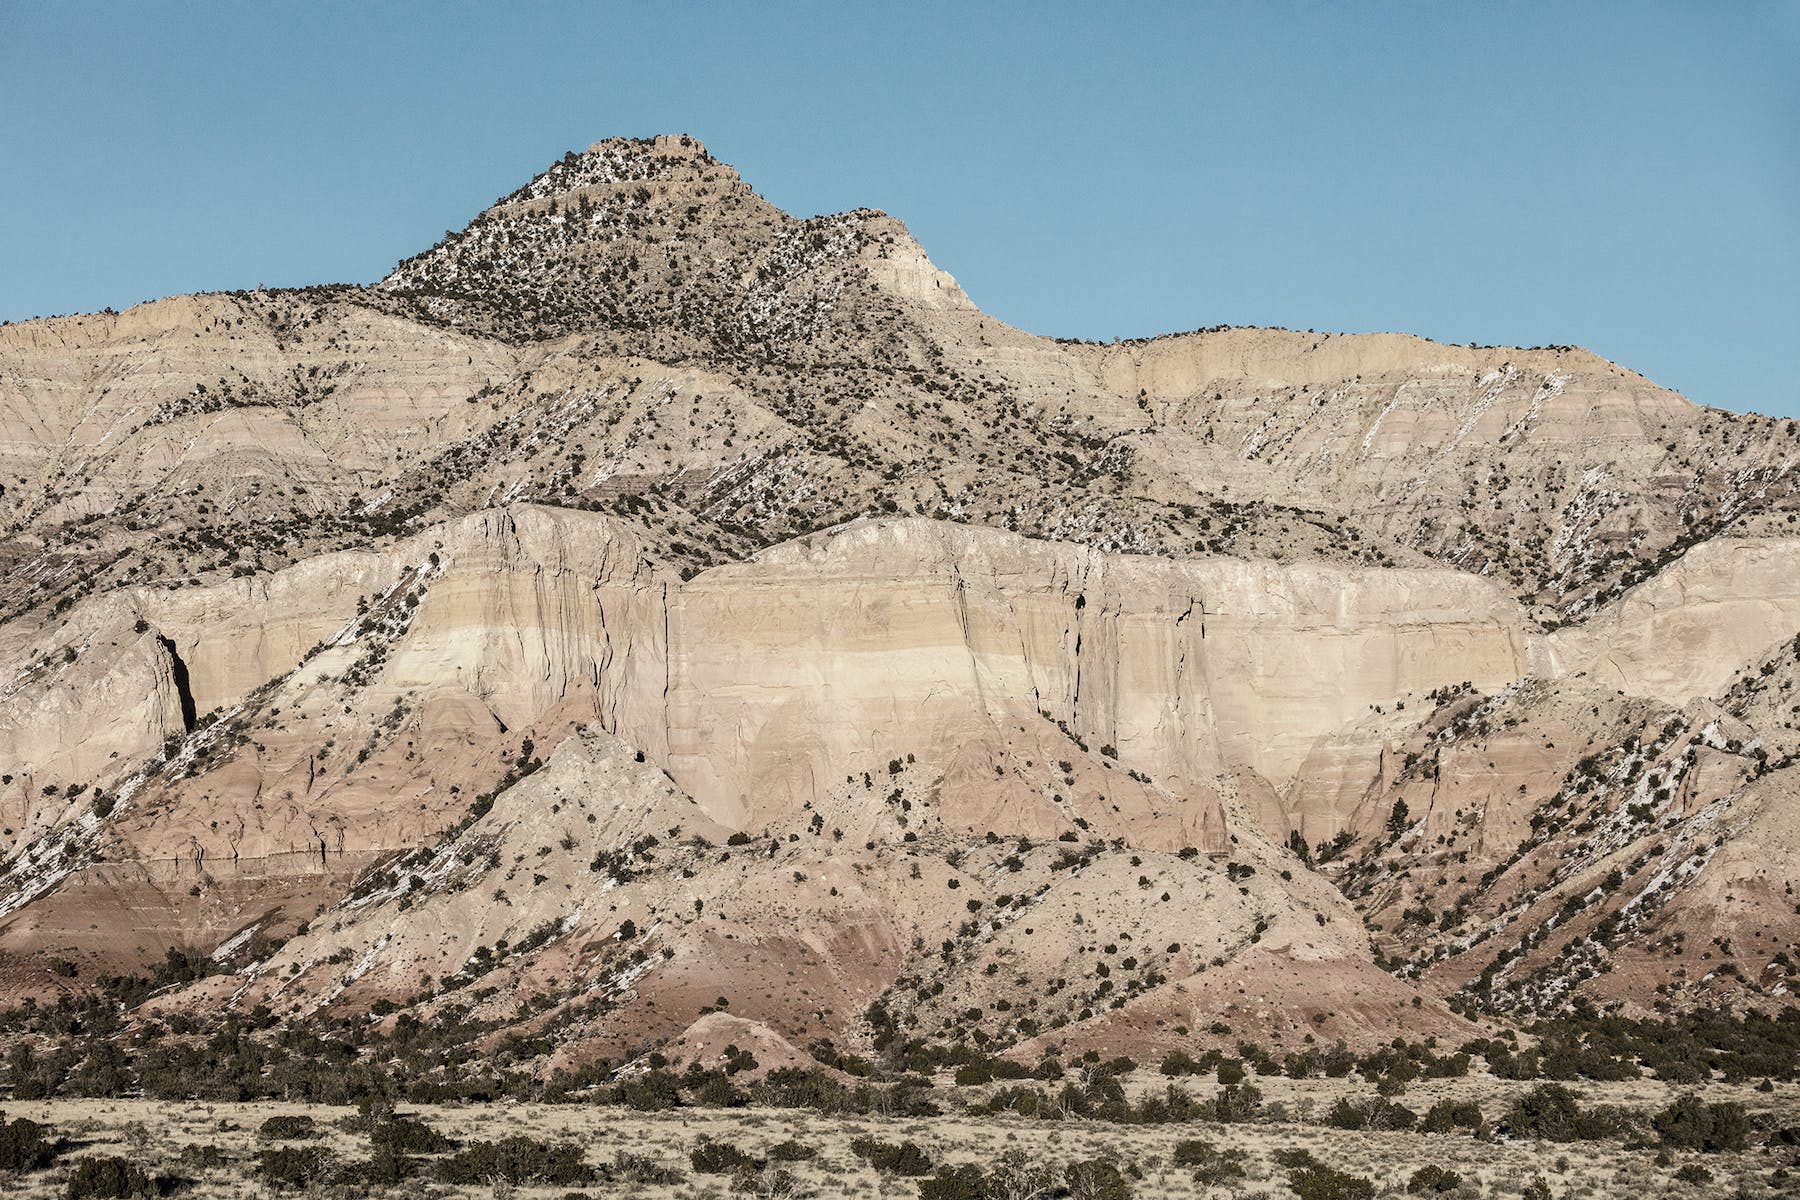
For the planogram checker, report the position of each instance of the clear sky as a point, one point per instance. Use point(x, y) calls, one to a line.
point(1624, 177)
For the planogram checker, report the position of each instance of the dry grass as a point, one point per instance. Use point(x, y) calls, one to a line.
point(155, 1134)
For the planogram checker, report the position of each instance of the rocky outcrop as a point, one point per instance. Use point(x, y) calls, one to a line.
point(1687, 632)
point(641, 555)
point(832, 654)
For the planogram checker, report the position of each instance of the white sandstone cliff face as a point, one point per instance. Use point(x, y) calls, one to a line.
point(109, 691)
point(536, 606)
point(827, 655)
point(1686, 632)
point(902, 269)
point(761, 685)
point(82, 705)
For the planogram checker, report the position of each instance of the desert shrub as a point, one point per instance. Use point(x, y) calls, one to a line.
point(1180, 1062)
point(892, 1158)
point(763, 1181)
point(1550, 1112)
point(1103, 1099)
point(973, 1074)
point(371, 1109)
point(791, 1151)
point(1377, 1113)
point(1686, 1049)
point(1236, 1102)
point(1564, 1057)
point(288, 1128)
point(1320, 1182)
point(1097, 1179)
point(721, 1158)
point(1026, 1101)
point(206, 1157)
point(388, 1166)
point(516, 1160)
point(1212, 1166)
point(719, 1092)
point(1504, 1064)
point(641, 1169)
point(1016, 1174)
point(1694, 1174)
point(1172, 1105)
point(407, 1135)
point(384, 1168)
point(1447, 1115)
point(1431, 1179)
point(1675, 1067)
point(962, 1182)
point(296, 1167)
point(790, 1087)
point(653, 1091)
point(23, 1146)
point(108, 1178)
point(1690, 1124)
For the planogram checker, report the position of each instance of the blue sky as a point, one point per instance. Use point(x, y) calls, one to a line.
point(1624, 177)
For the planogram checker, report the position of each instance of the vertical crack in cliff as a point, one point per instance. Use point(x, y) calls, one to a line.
point(962, 619)
point(1193, 605)
point(178, 671)
point(668, 655)
point(1075, 700)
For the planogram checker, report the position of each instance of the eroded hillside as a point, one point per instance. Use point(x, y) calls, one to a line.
point(644, 597)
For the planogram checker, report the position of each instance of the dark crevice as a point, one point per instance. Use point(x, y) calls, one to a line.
point(1080, 603)
point(178, 669)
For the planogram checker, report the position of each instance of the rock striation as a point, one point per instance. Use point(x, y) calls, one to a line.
point(644, 595)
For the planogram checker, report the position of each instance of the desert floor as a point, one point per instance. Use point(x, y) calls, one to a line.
point(154, 1135)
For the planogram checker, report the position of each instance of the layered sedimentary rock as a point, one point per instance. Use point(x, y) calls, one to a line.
point(840, 646)
point(643, 554)
point(762, 682)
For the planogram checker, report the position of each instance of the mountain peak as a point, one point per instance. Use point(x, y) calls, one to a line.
point(666, 157)
point(1357, 615)
point(663, 249)
point(657, 145)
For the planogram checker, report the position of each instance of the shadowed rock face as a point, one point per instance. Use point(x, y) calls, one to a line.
point(702, 600)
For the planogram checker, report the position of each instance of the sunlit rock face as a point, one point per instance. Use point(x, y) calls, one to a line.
point(643, 554)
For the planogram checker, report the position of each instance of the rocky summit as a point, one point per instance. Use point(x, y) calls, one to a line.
point(646, 620)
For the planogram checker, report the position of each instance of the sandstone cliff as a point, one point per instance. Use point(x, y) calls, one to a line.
point(645, 595)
